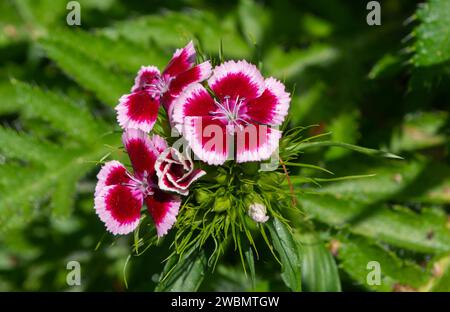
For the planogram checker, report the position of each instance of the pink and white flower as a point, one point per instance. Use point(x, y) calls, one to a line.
point(243, 110)
point(120, 195)
point(176, 171)
point(139, 109)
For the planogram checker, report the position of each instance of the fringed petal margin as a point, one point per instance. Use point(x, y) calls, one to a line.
point(119, 207)
point(163, 207)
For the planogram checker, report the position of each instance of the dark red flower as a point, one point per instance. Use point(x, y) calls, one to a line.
point(176, 171)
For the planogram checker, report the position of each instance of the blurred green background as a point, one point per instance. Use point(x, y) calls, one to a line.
point(383, 87)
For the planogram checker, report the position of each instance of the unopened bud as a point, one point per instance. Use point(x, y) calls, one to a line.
point(258, 212)
point(202, 196)
point(222, 203)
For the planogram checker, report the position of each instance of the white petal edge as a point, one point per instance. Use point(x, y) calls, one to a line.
point(142, 70)
point(125, 122)
point(112, 225)
point(242, 66)
point(104, 173)
point(264, 152)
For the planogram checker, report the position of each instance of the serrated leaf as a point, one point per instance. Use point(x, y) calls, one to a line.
point(343, 128)
point(419, 180)
point(400, 227)
point(432, 44)
point(63, 197)
point(355, 254)
point(9, 98)
point(175, 29)
point(54, 108)
point(289, 253)
point(106, 84)
point(21, 197)
point(126, 55)
point(419, 131)
point(28, 148)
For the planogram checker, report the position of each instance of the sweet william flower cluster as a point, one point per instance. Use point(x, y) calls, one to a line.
point(229, 112)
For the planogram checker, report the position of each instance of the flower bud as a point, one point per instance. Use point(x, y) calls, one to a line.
point(257, 212)
point(202, 196)
point(222, 203)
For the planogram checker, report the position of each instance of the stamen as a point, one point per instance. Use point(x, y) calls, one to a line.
point(159, 87)
point(230, 114)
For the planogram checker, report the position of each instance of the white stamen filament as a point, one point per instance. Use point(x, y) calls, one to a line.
point(159, 87)
point(141, 185)
point(231, 114)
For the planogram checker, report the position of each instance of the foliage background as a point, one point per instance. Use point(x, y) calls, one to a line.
point(383, 87)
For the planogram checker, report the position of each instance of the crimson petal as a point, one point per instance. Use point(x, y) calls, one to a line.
point(163, 207)
point(208, 138)
point(182, 60)
point(142, 152)
point(182, 81)
point(194, 101)
point(138, 110)
point(236, 79)
point(256, 142)
point(272, 106)
point(145, 76)
point(119, 207)
point(112, 172)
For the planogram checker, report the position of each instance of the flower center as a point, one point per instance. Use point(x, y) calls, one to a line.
point(230, 111)
point(159, 85)
point(144, 185)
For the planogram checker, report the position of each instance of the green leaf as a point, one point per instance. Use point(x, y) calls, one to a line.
point(64, 194)
point(287, 249)
point(126, 55)
point(107, 85)
point(9, 98)
point(253, 19)
point(355, 254)
point(35, 170)
point(288, 65)
point(355, 148)
point(51, 107)
point(303, 105)
point(39, 13)
point(441, 281)
point(399, 226)
point(175, 29)
point(25, 147)
point(419, 180)
point(388, 66)
point(185, 274)
point(11, 23)
point(319, 270)
point(343, 128)
point(432, 44)
point(28, 186)
point(419, 131)
point(251, 265)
